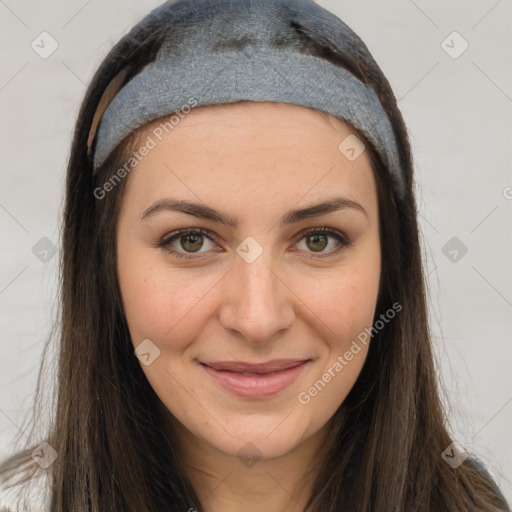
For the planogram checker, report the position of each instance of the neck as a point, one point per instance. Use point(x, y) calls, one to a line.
point(227, 483)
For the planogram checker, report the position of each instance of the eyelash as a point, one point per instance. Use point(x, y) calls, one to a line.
point(324, 230)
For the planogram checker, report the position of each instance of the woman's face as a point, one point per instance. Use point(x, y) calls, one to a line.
point(256, 286)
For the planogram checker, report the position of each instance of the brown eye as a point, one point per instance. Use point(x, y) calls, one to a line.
point(318, 239)
point(186, 242)
point(192, 242)
point(317, 242)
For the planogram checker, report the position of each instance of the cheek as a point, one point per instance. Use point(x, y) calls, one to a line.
point(342, 307)
point(342, 300)
point(160, 303)
point(345, 312)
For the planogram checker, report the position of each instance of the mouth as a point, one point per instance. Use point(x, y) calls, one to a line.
point(255, 380)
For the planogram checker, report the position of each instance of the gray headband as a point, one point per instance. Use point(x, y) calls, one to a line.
point(212, 66)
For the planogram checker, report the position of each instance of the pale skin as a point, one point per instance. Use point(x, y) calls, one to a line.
point(255, 161)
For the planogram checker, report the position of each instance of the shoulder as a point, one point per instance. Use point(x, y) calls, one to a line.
point(480, 468)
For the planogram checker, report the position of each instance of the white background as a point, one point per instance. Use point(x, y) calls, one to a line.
point(458, 111)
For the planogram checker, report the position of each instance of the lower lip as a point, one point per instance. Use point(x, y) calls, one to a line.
point(257, 386)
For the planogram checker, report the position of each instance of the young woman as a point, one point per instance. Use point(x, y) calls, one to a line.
point(243, 321)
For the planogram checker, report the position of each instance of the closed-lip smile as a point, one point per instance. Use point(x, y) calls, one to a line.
point(255, 380)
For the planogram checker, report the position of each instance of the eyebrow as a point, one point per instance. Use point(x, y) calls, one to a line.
point(206, 212)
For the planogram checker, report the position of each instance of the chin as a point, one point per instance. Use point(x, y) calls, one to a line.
point(258, 436)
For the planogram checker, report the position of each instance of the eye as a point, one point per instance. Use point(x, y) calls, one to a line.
point(317, 239)
point(192, 240)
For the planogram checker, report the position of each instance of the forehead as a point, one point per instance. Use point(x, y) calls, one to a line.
point(258, 148)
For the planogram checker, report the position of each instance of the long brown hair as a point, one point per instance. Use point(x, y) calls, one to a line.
point(114, 451)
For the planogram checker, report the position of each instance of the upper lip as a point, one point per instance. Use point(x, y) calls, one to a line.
point(267, 367)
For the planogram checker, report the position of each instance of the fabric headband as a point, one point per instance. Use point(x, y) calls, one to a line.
point(212, 67)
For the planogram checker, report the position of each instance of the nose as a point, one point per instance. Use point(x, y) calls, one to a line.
point(257, 303)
